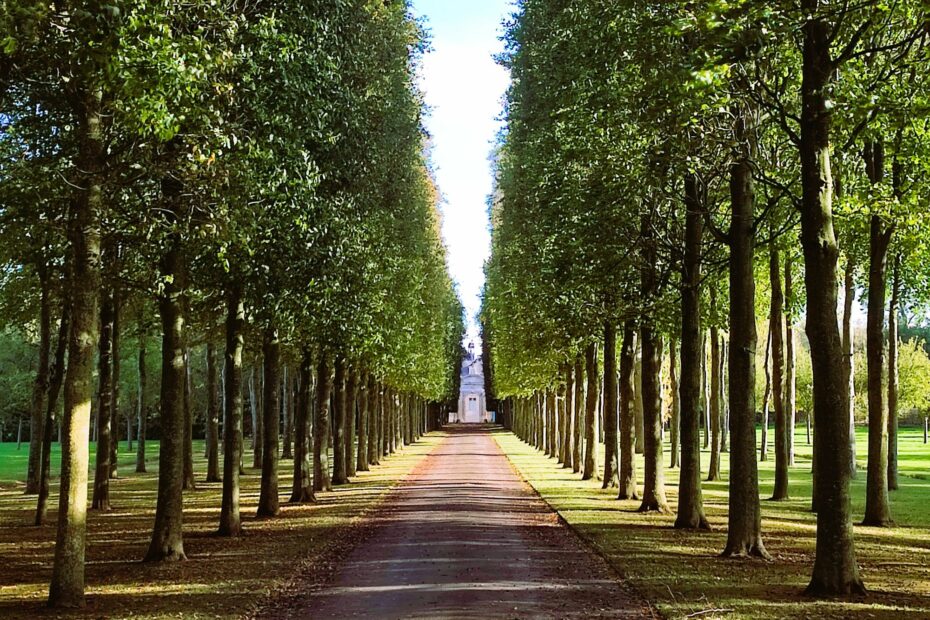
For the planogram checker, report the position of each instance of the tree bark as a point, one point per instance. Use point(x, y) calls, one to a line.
point(361, 455)
point(893, 376)
point(713, 472)
point(302, 489)
point(374, 417)
point(101, 497)
point(638, 432)
point(690, 497)
point(142, 407)
point(566, 391)
point(705, 388)
point(627, 458)
point(167, 534)
point(849, 288)
point(114, 380)
point(268, 500)
point(287, 392)
point(324, 386)
point(675, 417)
point(40, 388)
point(790, 363)
point(190, 484)
point(654, 474)
point(744, 536)
point(55, 380)
point(255, 398)
point(339, 423)
point(611, 411)
point(213, 416)
point(230, 518)
point(578, 411)
point(351, 406)
point(590, 405)
point(776, 320)
point(835, 570)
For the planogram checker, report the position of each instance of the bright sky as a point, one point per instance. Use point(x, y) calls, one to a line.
point(464, 87)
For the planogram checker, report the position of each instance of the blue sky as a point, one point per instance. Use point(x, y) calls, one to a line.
point(464, 87)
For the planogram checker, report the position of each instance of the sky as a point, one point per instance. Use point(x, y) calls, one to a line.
point(464, 89)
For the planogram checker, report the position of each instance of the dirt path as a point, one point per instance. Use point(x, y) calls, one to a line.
point(465, 537)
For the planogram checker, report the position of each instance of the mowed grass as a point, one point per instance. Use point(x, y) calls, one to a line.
point(223, 578)
point(683, 574)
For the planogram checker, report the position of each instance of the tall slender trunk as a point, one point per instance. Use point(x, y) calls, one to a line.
point(705, 388)
point(55, 380)
point(654, 471)
point(40, 387)
point(190, 484)
point(776, 318)
point(849, 359)
point(627, 458)
point(230, 519)
point(339, 423)
point(877, 504)
point(268, 500)
point(114, 390)
point(766, 395)
point(101, 497)
point(638, 433)
point(213, 415)
point(256, 401)
point(324, 385)
point(590, 405)
point(374, 415)
point(675, 408)
point(690, 498)
point(835, 570)
point(302, 489)
point(611, 412)
point(167, 534)
point(287, 391)
point(893, 375)
point(142, 424)
point(790, 361)
point(744, 536)
point(713, 472)
point(723, 398)
point(361, 455)
point(568, 452)
point(351, 404)
point(578, 409)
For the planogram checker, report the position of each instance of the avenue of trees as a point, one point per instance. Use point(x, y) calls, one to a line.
point(238, 185)
point(678, 177)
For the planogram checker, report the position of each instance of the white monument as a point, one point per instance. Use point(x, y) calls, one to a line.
point(472, 406)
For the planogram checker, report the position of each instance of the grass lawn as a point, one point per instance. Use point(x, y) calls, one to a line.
point(222, 578)
point(682, 573)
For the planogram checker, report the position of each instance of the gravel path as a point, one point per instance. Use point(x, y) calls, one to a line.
point(465, 537)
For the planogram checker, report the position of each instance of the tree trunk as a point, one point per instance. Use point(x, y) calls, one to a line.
point(302, 489)
point(287, 390)
point(877, 505)
point(590, 405)
point(638, 433)
point(167, 534)
point(351, 405)
point(627, 458)
point(578, 413)
point(67, 584)
point(790, 363)
point(713, 472)
point(339, 423)
point(568, 408)
point(893, 376)
point(835, 570)
point(705, 389)
point(268, 500)
point(258, 438)
point(723, 398)
point(55, 379)
point(778, 357)
point(654, 474)
point(143, 407)
point(230, 519)
point(101, 497)
point(849, 288)
point(40, 388)
point(324, 386)
point(675, 418)
point(611, 412)
point(690, 497)
point(190, 484)
point(744, 536)
point(766, 395)
point(374, 417)
point(114, 390)
point(361, 454)
point(213, 416)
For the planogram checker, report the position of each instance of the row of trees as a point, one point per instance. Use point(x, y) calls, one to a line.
point(660, 159)
point(244, 171)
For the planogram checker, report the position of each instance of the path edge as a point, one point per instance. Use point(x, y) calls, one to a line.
point(585, 540)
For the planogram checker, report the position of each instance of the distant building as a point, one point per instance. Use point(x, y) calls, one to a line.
point(472, 404)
